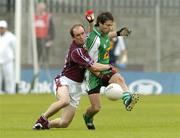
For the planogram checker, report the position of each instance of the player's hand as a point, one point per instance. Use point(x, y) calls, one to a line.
point(124, 32)
point(113, 69)
point(89, 16)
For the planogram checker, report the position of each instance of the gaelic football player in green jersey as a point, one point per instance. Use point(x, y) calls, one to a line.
point(98, 46)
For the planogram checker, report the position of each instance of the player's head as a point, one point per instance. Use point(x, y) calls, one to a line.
point(105, 22)
point(3, 26)
point(78, 34)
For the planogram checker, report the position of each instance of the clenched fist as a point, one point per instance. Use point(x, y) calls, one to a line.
point(89, 16)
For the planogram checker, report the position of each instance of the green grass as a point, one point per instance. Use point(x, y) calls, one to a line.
point(153, 117)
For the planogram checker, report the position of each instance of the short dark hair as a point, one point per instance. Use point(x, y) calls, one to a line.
point(103, 17)
point(74, 26)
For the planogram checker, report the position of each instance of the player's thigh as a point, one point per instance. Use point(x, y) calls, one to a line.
point(92, 82)
point(68, 113)
point(116, 78)
point(63, 93)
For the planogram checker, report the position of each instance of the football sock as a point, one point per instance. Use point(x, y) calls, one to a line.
point(125, 97)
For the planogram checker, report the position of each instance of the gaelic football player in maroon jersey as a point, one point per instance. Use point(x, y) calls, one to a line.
point(68, 82)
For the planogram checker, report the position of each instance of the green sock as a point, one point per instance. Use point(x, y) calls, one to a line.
point(88, 118)
point(125, 96)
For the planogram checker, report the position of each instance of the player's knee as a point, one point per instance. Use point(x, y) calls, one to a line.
point(62, 124)
point(121, 79)
point(96, 108)
point(117, 79)
point(65, 123)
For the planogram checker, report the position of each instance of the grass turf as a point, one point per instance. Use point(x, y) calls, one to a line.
point(153, 117)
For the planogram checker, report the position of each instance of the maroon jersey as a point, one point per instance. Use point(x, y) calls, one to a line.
point(76, 62)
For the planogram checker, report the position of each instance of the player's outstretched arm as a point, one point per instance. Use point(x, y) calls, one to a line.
point(122, 32)
point(97, 67)
point(101, 68)
point(89, 15)
point(81, 57)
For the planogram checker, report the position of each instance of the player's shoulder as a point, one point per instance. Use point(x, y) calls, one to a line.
point(91, 37)
point(78, 50)
point(74, 46)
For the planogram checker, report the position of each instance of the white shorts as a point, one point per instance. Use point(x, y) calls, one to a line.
point(75, 90)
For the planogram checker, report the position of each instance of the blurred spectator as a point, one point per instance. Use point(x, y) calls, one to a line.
point(45, 32)
point(118, 52)
point(7, 55)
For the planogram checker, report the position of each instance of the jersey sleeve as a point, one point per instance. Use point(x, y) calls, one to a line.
point(81, 57)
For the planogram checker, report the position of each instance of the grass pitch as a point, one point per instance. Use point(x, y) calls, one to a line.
point(153, 117)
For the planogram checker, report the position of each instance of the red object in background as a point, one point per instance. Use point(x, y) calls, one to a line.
point(89, 12)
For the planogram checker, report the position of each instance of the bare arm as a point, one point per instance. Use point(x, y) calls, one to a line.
point(90, 18)
point(81, 57)
point(97, 67)
point(122, 32)
point(91, 25)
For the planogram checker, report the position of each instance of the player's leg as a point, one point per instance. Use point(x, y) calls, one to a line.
point(129, 99)
point(64, 121)
point(68, 93)
point(63, 100)
point(68, 111)
point(93, 109)
point(95, 106)
point(93, 88)
point(117, 78)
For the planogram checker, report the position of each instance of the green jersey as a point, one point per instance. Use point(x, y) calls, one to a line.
point(98, 47)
